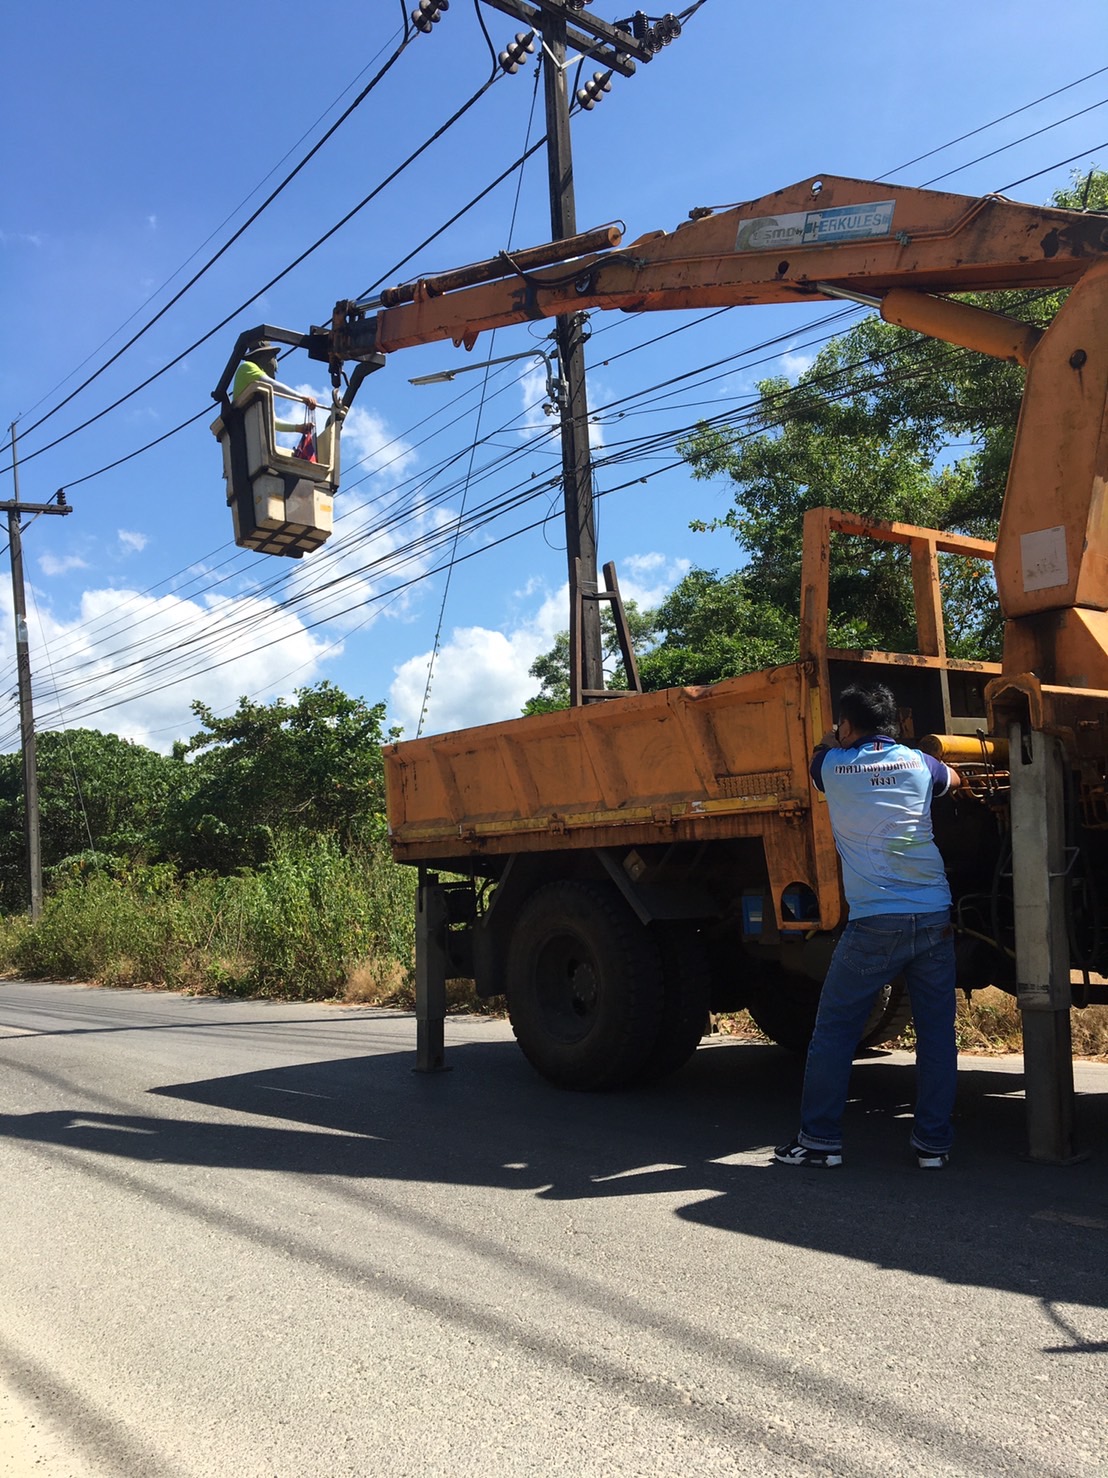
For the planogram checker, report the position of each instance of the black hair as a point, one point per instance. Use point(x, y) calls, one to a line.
point(869, 709)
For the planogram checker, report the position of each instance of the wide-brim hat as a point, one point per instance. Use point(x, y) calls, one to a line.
point(262, 350)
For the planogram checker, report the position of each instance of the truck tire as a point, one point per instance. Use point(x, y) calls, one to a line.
point(890, 1016)
point(783, 1007)
point(687, 978)
point(585, 993)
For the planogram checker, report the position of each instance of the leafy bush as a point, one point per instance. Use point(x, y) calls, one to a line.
point(303, 923)
point(299, 927)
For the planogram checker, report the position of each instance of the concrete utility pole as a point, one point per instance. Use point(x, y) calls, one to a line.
point(562, 23)
point(14, 509)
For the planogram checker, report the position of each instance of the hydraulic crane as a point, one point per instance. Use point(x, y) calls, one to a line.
point(629, 829)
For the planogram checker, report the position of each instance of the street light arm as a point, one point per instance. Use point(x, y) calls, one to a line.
point(442, 377)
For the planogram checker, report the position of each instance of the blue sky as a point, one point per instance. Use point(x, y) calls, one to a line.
point(141, 137)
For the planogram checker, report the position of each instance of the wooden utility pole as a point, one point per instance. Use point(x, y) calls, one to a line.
point(14, 509)
point(568, 336)
point(562, 23)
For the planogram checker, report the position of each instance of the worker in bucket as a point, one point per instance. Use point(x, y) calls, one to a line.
point(260, 364)
point(879, 796)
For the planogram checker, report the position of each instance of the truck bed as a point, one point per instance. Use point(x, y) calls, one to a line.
point(680, 764)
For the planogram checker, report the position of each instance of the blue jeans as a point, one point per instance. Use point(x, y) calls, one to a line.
point(871, 952)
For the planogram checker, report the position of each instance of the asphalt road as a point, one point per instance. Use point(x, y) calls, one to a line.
point(245, 1239)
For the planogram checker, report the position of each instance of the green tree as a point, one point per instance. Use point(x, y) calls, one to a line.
point(708, 627)
point(552, 667)
point(890, 425)
point(711, 627)
point(98, 794)
point(887, 424)
point(274, 770)
point(823, 449)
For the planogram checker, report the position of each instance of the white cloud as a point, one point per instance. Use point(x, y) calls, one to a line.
point(132, 664)
point(743, 384)
point(648, 578)
point(19, 238)
point(482, 675)
point(152, 222)
point(145, 415)
point(369, 448)
point(51, 564)
point(374, 519)
point(132, 542)
point(796, 364)
point(533, 394)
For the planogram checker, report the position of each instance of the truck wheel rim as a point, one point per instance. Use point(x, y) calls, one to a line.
point(568, 989)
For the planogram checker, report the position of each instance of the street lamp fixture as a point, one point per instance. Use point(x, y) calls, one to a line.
point(554, 385)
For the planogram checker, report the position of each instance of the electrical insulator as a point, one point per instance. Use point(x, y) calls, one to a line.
point(592, 92)
point(516, 51)
point(664, 31)
point(427, 13)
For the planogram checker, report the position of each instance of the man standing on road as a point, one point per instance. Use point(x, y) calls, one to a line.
point(879, 796)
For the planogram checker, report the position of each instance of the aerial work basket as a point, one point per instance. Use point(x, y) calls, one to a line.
point(280, 497)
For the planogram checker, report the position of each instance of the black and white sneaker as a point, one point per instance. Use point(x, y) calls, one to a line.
point(796, 1153)
point(929, 1160)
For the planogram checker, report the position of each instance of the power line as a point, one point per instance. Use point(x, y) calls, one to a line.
point(487, 190)
point(502, 502)
point(427, 240)
point(1084, 154)
point(1003, 149)
point(213, 233)
point(239, 557)
point(1003, 118)
point(195, 278)
point(345, 220)
point(129, 456)
point(623, 455)
point(636, 448)
point(395, 590)
point(138, 452)
point(476, 428)
point(83, 425)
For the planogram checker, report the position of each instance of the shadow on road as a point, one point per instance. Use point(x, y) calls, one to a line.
point(991, 1220)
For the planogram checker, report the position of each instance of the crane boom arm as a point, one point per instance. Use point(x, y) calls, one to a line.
point(847, 234)
point(895, 248)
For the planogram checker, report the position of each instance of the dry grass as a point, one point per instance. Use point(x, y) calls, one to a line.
point(987, 1025)
point(990, 1024)
point(375, 982)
